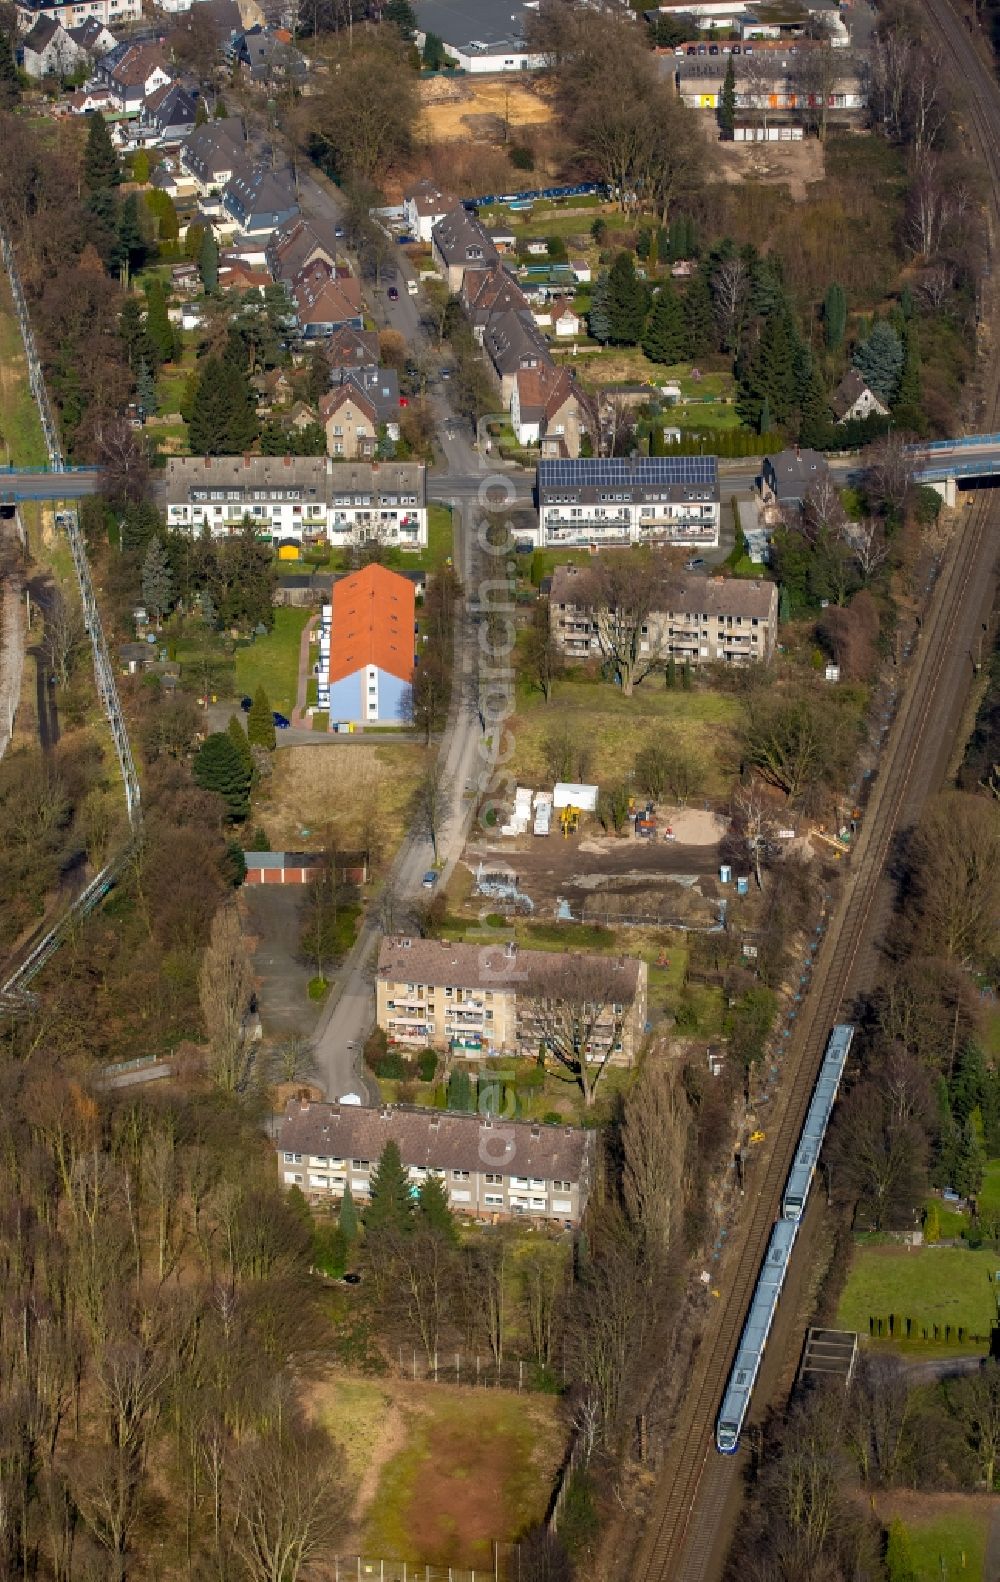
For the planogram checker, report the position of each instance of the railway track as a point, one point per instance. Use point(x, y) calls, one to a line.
point(696, 1484)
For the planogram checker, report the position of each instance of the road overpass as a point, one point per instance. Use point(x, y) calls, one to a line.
point(18, 484)
point(946, 463)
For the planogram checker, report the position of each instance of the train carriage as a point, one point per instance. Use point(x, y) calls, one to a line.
point(742, 1378)
point(818, 1119)
point(754, 1338)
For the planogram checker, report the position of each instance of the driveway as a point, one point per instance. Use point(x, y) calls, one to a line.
point(283, 979)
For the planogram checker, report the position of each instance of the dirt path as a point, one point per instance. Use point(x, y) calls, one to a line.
point(299, 716)
point(11, 632)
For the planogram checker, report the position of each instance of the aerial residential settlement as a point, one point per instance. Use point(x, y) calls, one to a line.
point(500, 872)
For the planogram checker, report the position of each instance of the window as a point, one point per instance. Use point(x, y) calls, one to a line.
point(536, 1184)
point(494, 1180)
point(360, 1164)
point(293, 1159)
point(493, 1200)
point(460, 1175)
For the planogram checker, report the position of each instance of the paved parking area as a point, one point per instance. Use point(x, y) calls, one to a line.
point(282, 977)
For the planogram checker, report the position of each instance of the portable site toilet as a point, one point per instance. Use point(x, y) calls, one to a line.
point(725, 874)
point(742, 886)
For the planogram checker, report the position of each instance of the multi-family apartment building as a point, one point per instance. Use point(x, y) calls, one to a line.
point(697, 619)
point(74, 13)
point(622, 500)
point(300, 497)
point(479, 1000)
point(491, 1168)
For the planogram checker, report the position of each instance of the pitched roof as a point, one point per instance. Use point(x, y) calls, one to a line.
point(341, 395)
point(715, 596)
point(90, 33)
point(41, 35)
point(324, 298)
point(460, 966)
point(850, 389)
point(437, 1140)
point(461, 239)
point(513, 340)
point(427, 198)
point(260, 190)
point(352, 348)
point(795, 471)
point(136, 64)
point(296, 243)
point(373, 618)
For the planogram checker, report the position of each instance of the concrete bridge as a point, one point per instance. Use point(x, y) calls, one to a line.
point(18, 484)
point(946, 463)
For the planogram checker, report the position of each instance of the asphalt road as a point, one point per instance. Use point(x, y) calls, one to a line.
point(462, 481)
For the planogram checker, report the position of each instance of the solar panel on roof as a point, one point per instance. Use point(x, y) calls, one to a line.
point(590, 472)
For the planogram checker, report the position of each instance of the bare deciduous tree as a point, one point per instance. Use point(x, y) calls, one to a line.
point(65, 635)
point(621, 593)
point(655, 1125)
point(226, 987)
point(955, 876)
point(577, 1009)
point(730, 283)
point(291, 1503)
point(431, 807)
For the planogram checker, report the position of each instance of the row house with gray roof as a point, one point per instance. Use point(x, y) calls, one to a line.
point(694, 620)
point(305, 498)
point(491, 1168)
point(629, 500)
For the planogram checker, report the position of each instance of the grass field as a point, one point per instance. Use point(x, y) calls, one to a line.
point(931, 1285)
point(21, 438)
point(441, 1472)
point(343, 786)
point(615, 727)
point(988, 1196)
point(272, 662)
point(947, 1533)
point(991, 1035)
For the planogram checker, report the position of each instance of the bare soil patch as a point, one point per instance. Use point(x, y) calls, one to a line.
point(797, 166)
point(454, 109)
point(357, 791)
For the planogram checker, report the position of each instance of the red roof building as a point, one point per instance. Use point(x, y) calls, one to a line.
point(371, 648)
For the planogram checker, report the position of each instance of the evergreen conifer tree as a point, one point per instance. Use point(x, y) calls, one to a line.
point(764, 424)
point(699, 316)
point(220, 112)
point(599, 313)
point(10, 82)
point(433, 1212)
point(665, 339)
point(390, 1207)
point(101, 169)
point(727, 101)
point(201, 114)
point(158, 325)
point(145, 389)
point(403, 16)
point(907, 407)
point(223, 412)
point(879, 360)
point(348, 1218)
point(628, 302)
point(260, 722)
point(238, 736)
point(140, 166)
point(157, 580)
point(834, 316)
point(208, 262)
point(459, 1090)
point(219, 767)
point(784, 605)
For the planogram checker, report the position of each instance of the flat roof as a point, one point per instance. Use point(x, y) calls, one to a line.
point(497, 24)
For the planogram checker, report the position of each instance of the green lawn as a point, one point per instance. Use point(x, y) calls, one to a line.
point(21, 438)
point(466, 1466)
point(951, 1546)
point(988, 1197)
point(931, 1285)
point(440, 540)
point(991, 1035)
point(272, 662)
point(694, 417)
point(614, 727)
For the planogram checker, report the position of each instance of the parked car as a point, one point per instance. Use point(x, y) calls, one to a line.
point(694, 565)
point(393, 294)
point(713, 49)
point(246, 704)
point(430, 879)
point(446, 373)
point(281, 721)
point(338, 231)
point(406, 240)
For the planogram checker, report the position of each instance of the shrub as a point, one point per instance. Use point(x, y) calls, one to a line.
point(427, 1062)
point(521, 157)
point(329, 1250)
point(317, 988)
point(376, 1047)
point(552, 1118)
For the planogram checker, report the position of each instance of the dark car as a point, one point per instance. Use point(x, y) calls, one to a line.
point(406, 240)
point(393, 294)
point(694, 565)
point(692, 49)
point(246, 704)
point(281, 721)
point(713, 49)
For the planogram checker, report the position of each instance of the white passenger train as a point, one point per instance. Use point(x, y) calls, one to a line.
point(750, 1352)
